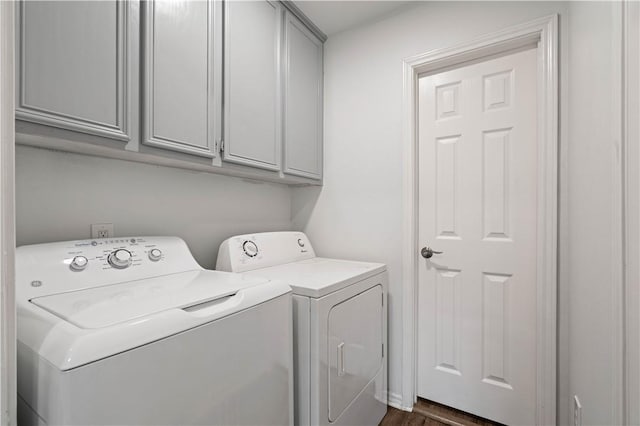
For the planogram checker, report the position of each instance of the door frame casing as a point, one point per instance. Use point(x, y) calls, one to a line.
point(8, 395)
point(543, 33)
point(630, 215)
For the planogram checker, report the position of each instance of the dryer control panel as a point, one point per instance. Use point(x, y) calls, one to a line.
point(43, 269)
point(248, 252)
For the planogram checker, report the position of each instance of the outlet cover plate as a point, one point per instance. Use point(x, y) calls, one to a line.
point(101, 230)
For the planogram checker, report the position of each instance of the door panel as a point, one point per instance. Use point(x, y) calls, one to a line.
point(73, 66)
point(252, 86)
point(182, 76)
point(355, 347)
point(477, 198)
point(303, 101)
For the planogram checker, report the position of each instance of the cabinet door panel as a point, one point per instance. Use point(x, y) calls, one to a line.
point(182, 90)
point(303, 101)
point(252, 88)
point(72, 66)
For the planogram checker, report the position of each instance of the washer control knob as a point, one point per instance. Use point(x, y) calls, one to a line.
point(250, 248)
point(120, 258)
point(79, 263)
point(155, 254)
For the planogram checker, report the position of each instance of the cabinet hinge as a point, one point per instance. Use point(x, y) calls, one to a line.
point(382, 297)
point(221, 145)
point(383, 350)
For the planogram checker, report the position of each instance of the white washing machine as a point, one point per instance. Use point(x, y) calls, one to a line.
point(134, 331)
point(340, 325)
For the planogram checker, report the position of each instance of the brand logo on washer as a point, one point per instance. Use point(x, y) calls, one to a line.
point(300, 242)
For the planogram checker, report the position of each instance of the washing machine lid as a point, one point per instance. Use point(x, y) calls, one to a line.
point(78, 327)
point(109, 305)
point(320, 276)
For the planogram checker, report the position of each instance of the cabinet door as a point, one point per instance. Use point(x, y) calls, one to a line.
point(182, 75)
point(303, 101)
point(252, 89)
point(72, 68)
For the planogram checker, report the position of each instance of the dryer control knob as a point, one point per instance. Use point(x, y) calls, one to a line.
point(250, 248)
point(79, 263)
point(155, 254)
point(120, 258)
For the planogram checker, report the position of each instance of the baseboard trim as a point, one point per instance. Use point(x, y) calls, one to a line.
point(395, 401)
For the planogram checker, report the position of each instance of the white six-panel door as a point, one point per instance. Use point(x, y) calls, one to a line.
point(477, 201)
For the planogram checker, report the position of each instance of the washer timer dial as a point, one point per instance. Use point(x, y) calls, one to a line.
point(120, 258)
point(250, 248)
point(79, 263)
point(155, 254)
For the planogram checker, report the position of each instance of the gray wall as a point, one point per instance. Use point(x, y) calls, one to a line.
point(592, 307)
point(58, 196)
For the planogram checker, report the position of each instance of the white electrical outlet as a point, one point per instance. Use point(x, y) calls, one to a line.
point(577, 411)
point(101, 230)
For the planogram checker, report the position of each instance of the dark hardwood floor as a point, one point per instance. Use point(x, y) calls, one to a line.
point(428, 413)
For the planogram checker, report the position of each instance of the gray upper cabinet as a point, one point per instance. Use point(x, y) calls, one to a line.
point(252, 129)
point(72, 66)
point(303, 100)
point(232, 87)
point(182, 75)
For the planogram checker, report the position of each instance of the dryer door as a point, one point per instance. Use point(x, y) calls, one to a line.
point(355, 347)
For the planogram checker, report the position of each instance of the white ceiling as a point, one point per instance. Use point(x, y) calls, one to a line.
point(335, 16)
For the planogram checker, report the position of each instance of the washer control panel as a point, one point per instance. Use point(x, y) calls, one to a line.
point(112, 253)
point(70, 265)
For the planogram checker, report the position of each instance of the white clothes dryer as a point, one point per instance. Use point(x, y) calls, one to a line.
point(340, 325)
point(134, 331)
